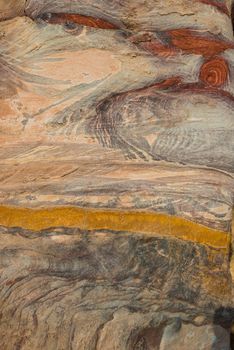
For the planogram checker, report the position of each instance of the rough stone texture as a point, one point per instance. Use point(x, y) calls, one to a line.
point(116, 174)
point(66, 288)
point(11, 8)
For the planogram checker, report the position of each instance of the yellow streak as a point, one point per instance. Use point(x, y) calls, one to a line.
point(152, 224)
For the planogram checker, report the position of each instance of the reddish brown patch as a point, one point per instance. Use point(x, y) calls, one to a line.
point(185, 40)
point(162, 85)
point(191, 42)
point(214, 72)
point(170, 82)
point(148, 42)
point(64, 18)
point(220, 7)
point(156, 48)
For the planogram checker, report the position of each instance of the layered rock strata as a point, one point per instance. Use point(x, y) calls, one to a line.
point(116, 174)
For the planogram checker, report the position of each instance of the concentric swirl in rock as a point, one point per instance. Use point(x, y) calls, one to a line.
point(214, 72)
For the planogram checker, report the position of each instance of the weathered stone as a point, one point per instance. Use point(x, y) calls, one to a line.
point(11, 8)
point(194, 338)
point(116, 182)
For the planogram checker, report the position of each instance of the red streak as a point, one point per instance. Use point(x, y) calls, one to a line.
point(153, 45)
point(170, 82)
point(184, 40)
point(191, 42)
point(64, 18)
point(156, 48)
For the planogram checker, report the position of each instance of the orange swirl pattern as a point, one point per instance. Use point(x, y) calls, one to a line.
point(214, 72)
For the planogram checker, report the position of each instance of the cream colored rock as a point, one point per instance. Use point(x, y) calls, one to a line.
point(193, 338)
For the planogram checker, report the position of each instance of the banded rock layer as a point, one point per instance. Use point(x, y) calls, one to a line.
point(116, 182)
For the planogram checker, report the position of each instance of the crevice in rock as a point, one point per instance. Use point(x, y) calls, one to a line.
point(232, 339)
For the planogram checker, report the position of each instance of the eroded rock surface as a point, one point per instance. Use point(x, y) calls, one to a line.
point(116, 174)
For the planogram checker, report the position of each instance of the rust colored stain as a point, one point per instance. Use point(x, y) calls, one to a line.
point(66, 18)
point(219, 6)
point(191, 42)
point(170, 82)
point(156, 48)
point(185, 40)
point(148, 223)
point(214, 72)
point(153, 45)
point(162, 85)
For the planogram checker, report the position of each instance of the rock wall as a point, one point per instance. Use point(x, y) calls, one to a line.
point(116, 174)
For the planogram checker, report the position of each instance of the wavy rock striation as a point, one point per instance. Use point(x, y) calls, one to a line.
point(116, 181)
